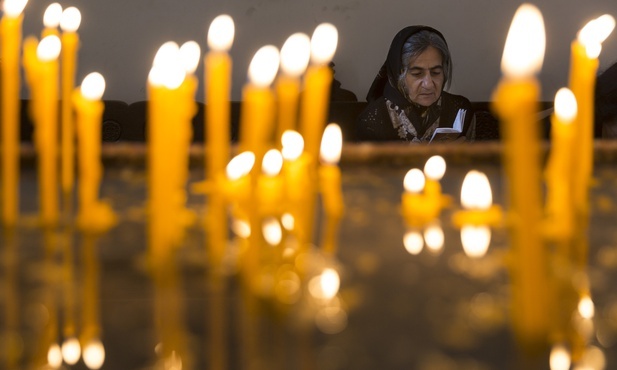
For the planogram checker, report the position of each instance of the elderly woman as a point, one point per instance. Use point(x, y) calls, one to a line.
point(407, 100)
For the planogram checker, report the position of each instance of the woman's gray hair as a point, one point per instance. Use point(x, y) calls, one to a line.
point(415, 45)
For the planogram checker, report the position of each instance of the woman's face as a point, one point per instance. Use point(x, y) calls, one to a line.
point(424, 78)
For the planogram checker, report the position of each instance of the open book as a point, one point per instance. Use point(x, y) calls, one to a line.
point(450, 133)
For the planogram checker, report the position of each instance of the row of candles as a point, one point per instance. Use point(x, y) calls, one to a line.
point(545, 240)
point(275, 179)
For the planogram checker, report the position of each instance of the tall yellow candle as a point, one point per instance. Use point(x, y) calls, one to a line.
point(46, 127)
point(257, 112)
point(583, 68)
point(217, 90)
point(71, 19)
point(560, 169)
point(515, 102)
point(295, 55)
point(166, 76)
point(217, 67)
point(10, 45)
point(51, 20)
point(270, 184)
point(330, 185)
point(93, 215)
point(317, 83)
point(298, 176)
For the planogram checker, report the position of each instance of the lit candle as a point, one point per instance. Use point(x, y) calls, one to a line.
point(434, 169)
point(413, 203)
point(236, 183)
point(166, 76)
point(257, 112)
point(93, 215)
point(46, 127)
point(515, 101)
point(478, 216)
point(10, 44)
point(51, 20)
point(330, 184)
point(583, 68)
point(71, 19)
point(298, 175)
point(217, 91)
point(270, 184)
point(295, 55)
point(560, 169)
point(317, 83)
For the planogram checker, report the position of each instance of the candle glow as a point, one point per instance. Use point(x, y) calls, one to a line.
point(331, 144)
point(435, 167)
point(52, 15)
point(190, 53)
point(414, 181)
point(272, 231)
point(293, 145)
point(559, 358)
point(295, 54)
point(221, 33)
point(565, 105)
point(413, 242)
point(524, 49)
point(240, 165)
point(272, 162)
point(264, 66)
point(54, 356)
point(93, 86)
point(71, 351)
point(49, 48)
point(476, 191)
point(71, 19)
point(434, 237)
point(323, 43)
point(13, 8)
point(94, 354)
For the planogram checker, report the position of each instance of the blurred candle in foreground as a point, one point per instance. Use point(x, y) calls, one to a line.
point(257, 114)
point(516, 104)
point(295, 55)
point(330, 184)
point(70, 21)
point(585, 50)
point(46, 127)
point(560, 167)
point(434, 169)
point(317, 83)
point(270, 184)
point(413, 209)
point(10, 46)
point(92, 215)
point(217, 91)
point(559, 358)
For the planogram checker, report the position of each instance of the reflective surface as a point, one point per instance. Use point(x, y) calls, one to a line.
point(398, 306)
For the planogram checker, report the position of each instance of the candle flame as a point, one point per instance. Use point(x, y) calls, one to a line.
point(295, 54)
point(167, 67)
point(71, 19)
point(323, 43)
point(221, 33)
point(272, 231)
point(52, 15)
point(272, 162)
point(565, 105)
point(293, 145)
point(476, 191)
point(586, 308)
point(331, 144)
point(54, 356)
point(240, 165)
point(93, 86)
point(71, 351)
point(13, 8)
point(241, 228)
point(288, 221)
point(476, 240)
point(414, 181)
point(559, 358)
point(524, 50)
point(435, 167)
point(597, 30)
point(94, 354)
point(413, 242)
point(325, 285)
point(49, 48)
point(434, 237)
point(264, 66)
point(190, 52)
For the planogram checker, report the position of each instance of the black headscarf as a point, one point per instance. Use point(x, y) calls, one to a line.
point(393, 66)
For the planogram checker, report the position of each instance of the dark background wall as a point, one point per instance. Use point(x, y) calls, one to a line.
point(120, 37)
